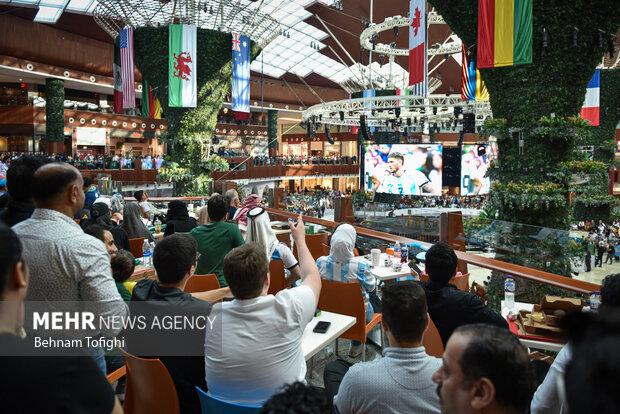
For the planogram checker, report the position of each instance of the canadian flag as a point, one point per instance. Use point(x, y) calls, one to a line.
point(417, 46)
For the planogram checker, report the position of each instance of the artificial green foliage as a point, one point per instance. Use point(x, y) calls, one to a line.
point(272, 128)
point(190, 130)
point(54, 110)
point(556, 80)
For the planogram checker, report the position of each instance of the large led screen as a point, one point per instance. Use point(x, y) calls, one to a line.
point(403, 169)
point(475, 162)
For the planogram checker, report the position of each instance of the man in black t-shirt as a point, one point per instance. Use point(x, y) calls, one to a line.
point(448, 306)
point(157, 302)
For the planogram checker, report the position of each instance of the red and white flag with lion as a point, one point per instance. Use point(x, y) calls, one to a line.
point(182, 86)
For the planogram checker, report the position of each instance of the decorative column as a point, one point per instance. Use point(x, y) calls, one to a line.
point(55, 115)
point(272, 131)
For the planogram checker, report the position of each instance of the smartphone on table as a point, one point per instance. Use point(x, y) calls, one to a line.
point(321, 327)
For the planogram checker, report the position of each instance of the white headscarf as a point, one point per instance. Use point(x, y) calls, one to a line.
point(259, 230)
point(343, 243)
point(104, 200)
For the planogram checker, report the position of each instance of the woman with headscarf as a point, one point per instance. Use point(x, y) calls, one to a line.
point(100, 215)
point(178, 219)
point(340, 266)
point(241, 215)
point(259, 231)
point(132, 223)
point(116, 205)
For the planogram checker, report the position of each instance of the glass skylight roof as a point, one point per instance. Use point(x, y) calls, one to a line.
point(297, 50)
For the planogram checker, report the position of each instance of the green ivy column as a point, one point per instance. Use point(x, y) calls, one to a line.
point(272, 128)
point(54, 110)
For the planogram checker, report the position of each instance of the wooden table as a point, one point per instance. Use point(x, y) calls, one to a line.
point(532, 343)
point(312, 342)
point(143, 272)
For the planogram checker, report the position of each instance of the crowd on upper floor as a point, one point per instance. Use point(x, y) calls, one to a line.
point(253, 355)
point(89, 161)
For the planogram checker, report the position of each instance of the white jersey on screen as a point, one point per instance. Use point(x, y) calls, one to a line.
point(410, 183)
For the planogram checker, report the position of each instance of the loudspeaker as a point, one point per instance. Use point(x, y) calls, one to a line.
point(341, 115)
point(469, 123)
point(364, 128)
point(328, 135)
point(451, 172)
point(311, 129)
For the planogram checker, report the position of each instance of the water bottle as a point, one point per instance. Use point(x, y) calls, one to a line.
point(595, 300)
point(404, 252)
point(397, 249)
point(509, 293)
point(202, 202)
point(157, 225)
point(146, 253)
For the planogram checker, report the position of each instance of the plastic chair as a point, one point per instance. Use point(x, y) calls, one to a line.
point(432, 340)
point(347, 299)
point(212, 405)
point(278, 277)
point(150, 389)
point(461, 282)
point(135, 245)
point(202, 283)
point(315, 244)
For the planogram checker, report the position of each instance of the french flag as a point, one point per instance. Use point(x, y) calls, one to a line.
point(591, 106)
point(417, 47)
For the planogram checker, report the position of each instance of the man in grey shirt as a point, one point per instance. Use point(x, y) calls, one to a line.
point(401, 381)
point(67, 265)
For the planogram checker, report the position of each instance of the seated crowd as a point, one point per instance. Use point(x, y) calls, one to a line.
point(250, 351)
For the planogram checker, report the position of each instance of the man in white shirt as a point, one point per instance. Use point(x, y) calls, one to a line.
point(399, 181)
point(253, 348)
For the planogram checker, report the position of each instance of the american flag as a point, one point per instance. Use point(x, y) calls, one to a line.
point(126, 44)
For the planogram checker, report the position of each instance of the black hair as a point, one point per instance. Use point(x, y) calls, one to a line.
point(245, 269)
point(404, 310)
point(298, 398)
point(218, 207)
point(610, 291)
point(592, 377)
point(87, 182)
point(440, 263)
point(138, 195)
point(49, 185)
point(173, 257)
point(495, 353)
point(123, 265)
point(96, 231)
point(397, 155)
point(10, 254)
point(19, 178)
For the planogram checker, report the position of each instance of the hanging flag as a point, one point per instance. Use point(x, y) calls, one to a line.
point(591, 105)
point(118, 79)
point(369, 111)
point(473, 87)
point(241, 76)
point(417, 47)
point(148, 106)
point(126, 46)
point(182, 86)
point(504, 33)
point(156, 108)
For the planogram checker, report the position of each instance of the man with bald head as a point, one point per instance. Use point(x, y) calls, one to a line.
point(67, 265)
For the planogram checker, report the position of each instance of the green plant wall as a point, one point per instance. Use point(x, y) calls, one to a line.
point(603, 136)
point(189, 129)
point(272, 128)
point(54, 110)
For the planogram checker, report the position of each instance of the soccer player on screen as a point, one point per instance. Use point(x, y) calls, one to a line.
point(399, 181)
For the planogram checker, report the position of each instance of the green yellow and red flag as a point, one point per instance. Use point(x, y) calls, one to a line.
point(504, 33)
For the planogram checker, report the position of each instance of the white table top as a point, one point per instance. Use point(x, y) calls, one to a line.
point(532, 343)
point(312, 342)
point(386, 273)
